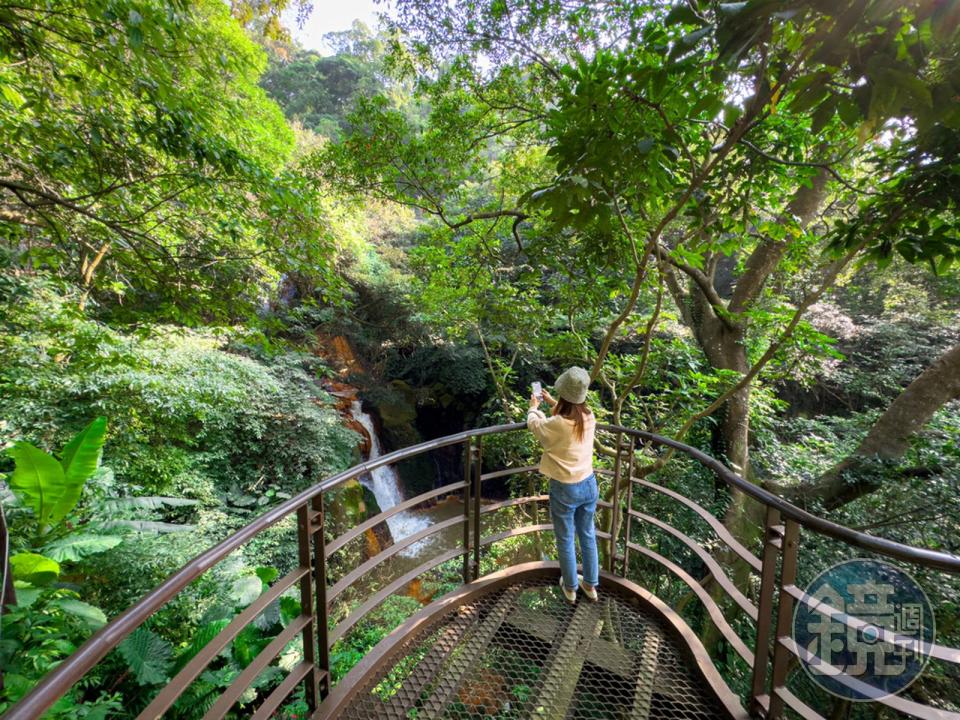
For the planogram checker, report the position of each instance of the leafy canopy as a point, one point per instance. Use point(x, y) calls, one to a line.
point(144, 162)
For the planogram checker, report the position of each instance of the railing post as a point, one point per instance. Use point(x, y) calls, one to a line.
point(477, 469)
point(311, 681)
point(772, 545)
point(467, 479)
point(320, 582)
point(627, 524)
point(781, 656)
point(614, 506)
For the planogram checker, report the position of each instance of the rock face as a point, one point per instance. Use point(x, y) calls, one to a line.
point(389, 484)
point(365, 442)
point(398, 415)
point(346, 396)
point(402, 415)
point(336, 352)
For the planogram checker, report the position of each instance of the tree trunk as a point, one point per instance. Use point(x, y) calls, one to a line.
point(889, 437)
point(723, 341)
point(723, 345)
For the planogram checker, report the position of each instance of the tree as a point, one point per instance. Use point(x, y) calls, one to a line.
point(142, 159)
point(888, 438)
point(695, 145)
point(913, 213)
point(358, 42)
point(266, 16)
point(318, 90)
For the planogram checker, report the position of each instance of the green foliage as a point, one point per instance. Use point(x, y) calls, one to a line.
point(77, 546)
point(617, 177)
point(318, 91)
point(147, 655)
point(882, 356)
point(455, 373)
point(915, 213)
point(152, 660)
point(145, 163)
point(34, 569)
point(90, 614)
point(183, 403)
point(192, 418)
point(39, 635)
point(375, 626)
point(52, 489)
point(42, 484)
point(81, 456)
point(266, 16)
point(204, 634)
point(669, 140)
point(39, 479)
point(384, 140)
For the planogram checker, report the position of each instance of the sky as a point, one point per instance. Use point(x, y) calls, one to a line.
point(330, 16)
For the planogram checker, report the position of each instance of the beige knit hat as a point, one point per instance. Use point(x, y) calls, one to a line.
point(572, 385)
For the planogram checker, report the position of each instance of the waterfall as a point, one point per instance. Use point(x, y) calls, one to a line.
point(384, 483)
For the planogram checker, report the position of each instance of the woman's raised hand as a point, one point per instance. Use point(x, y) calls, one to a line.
point(549, 399)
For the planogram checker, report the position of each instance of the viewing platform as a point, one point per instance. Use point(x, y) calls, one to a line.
point(504, 643)
point(510, 643)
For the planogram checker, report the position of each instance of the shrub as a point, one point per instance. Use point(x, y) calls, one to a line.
point(192, 414)
point(178, 401)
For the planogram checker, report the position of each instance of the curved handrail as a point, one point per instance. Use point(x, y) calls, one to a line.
point(716, 615)
point(358, 530)
point(713, 567)
point(391, 647)
point(864, 541)
point(725, 535)
point(59, 681)
point(358, 572)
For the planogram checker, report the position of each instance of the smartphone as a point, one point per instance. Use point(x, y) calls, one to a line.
point(538, 390)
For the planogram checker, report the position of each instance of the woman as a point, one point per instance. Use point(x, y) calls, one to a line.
point(567, 440)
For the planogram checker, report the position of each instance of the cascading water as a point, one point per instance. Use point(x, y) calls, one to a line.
point(384, 483)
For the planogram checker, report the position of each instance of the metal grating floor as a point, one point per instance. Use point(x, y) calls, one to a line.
point(525, 652)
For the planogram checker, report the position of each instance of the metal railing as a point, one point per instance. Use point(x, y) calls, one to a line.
point(771, 616)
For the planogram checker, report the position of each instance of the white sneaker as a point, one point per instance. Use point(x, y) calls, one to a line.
point(571, 595)
point(590, 592)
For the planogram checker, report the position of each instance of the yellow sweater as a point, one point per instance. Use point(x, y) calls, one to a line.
point(564, 458)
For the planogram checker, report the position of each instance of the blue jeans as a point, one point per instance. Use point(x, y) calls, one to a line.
point(572, 508)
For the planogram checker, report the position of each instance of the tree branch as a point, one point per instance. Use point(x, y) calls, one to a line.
point(767, 255)
point(519, 215)
point(830, 275)
point(705, 285)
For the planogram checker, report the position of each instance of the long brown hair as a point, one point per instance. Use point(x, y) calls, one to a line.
point(577, 412)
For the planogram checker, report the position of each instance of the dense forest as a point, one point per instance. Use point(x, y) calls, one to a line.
point(231, 267)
